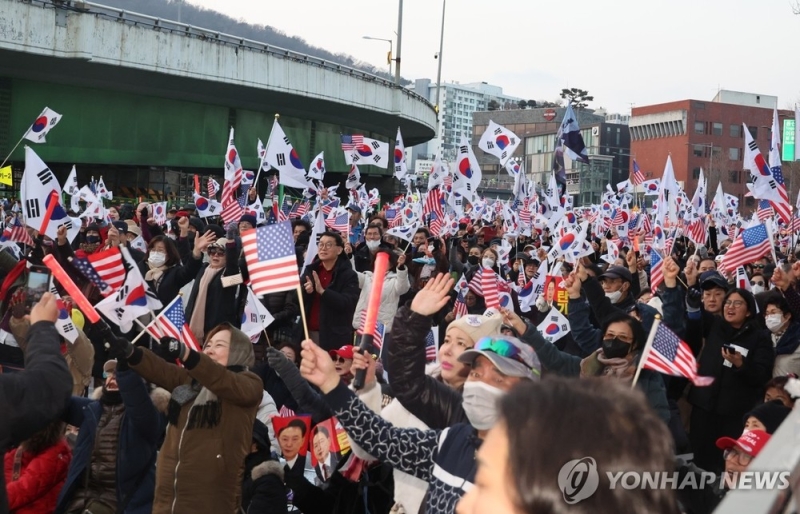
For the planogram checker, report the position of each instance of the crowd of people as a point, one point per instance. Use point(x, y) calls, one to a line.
point(467, 405)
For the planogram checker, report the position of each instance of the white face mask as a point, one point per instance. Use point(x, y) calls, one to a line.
point(774, 322)
point(373, 245)
point(157, 258)
point(757, 289)
point(488, 262)
point(480, 404)
point(614, 297)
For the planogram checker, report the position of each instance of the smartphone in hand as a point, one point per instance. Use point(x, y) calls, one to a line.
point(38, 284)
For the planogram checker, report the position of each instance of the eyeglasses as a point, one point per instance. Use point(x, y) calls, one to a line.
point(325, 246)
point(503, 348)
point(743, 458)
point(756, 282)
point(215, 251)
point(735, 303)
point(758, 266)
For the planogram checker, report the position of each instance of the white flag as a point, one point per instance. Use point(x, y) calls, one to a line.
point(499, 141)
point(39, 129)
point(233, 164)
point(316, 231)
point(400, 168)
point(353, 178)
point(554, 326)
point(36, 192)
point(102, 190)
point(282, 156)
point(257, 209)
point(160, 213)
point(206, 207)
point(139, 244)
point(127, 304)
point(316, 170)
point(372, 152)
point(437, 174)
point(71, 185)
point(94, 206)
point(256, 317)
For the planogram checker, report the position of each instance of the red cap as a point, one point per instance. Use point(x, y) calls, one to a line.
point(345, 352)
point(751, 442)
point(181, 214)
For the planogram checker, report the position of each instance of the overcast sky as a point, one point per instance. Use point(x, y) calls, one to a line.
point(622, 51)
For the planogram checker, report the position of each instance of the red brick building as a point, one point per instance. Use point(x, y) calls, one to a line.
point(704, 134)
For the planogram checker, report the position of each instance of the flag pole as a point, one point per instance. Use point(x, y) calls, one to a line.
point(646, 349)
point(15, 147)
point(302, 309)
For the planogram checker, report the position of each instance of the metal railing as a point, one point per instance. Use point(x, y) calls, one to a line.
point(174, 27)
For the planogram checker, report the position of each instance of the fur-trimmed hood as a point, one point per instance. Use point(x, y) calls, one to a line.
point(159, 397)
point(270, 467)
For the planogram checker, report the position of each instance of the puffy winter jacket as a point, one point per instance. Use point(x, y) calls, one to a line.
point(337, 303)
point(40, 479)
point(432, 401)
point(395, 285)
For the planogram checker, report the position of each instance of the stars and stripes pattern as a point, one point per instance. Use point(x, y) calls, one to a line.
point(380, 331)
point(285, 412)
point(433, 203)
point(171, 322)
point(87, 270)
point(637, 177)
point(328, 207)
point(430, 347)
point(270, 255)
point(17, 233)
point(340, 222)
point(752, 244)
point(489, 288)
point(672, 356)
point(460, 307)
point(764, 211)
point(656, 270)
point(108, 264)
point(213, 187)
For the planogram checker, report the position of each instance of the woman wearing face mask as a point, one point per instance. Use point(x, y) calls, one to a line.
point(785, 334)
point(91, 240)
point(489, 259)
point(395, 284)
point(739, 355)
point(162, 268)
point(758, 284)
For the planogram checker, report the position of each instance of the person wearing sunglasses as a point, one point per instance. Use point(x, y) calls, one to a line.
point(210, 303)
point(758, 284)
point(738, 353)
point(443, 458)
point(342, 361)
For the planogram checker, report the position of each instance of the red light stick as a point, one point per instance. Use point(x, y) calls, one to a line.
point(378, 277)
point(77, 297)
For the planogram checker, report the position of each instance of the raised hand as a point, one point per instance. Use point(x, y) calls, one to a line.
point(671, 270)
point(511, 318)
point(573, 286)
point(45, 310)
point(435, 295)
point(201, 243)
point(691, 273)
point(781, 280)
point(317, 367)
point(61, 235)
point(364, 361)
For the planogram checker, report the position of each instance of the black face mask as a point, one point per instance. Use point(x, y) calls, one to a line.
point(92, 239)
point(615, 349)
point(111, 397)
point(473, 259)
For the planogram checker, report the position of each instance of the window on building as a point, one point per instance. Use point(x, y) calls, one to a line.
point(733, 176)
point(696, 173)
point(734, 154)
point(753, 132)
point(699, 127)
point(698, 150)
point(717, 129)
point(736, 131)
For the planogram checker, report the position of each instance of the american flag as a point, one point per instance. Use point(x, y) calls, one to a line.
point(671, 356)
point(85, 267)
point(213, 187)
point(752, 244)
point(232, 204)
point(109, 266)
point(525, 216)
point(430, 347)
point(380, 331)
point(795, 225)
point(697, 231)
point(764, 211)
point(171, 322)
point(460, 308)
point(349, 144)
point(339, 222)
point(489, 287)
point(436, 224)
point(637, 177)
point(270, 255)
point(302, 208)
point(285, 412)
point(17, 233)
point(433, 203)
point(656, 271)
point(328, 207)
point(285, 210)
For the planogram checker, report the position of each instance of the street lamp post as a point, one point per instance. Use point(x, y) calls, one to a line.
point(390, 49)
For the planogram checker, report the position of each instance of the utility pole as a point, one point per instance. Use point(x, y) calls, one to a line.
point(399, 43)
point(441, 47)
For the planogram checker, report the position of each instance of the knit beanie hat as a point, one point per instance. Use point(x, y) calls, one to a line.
point(477, 326)
point(249, 218)
point(770, 414)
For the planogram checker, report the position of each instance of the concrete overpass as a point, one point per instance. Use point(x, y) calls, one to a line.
point(140, 91)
